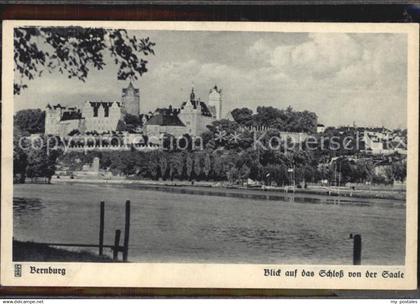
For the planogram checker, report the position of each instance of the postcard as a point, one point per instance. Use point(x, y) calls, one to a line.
point(209, 154)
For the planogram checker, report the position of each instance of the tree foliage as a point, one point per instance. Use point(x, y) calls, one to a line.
point(280, 119)
point(74, 51)
point(30, 120)
point(41, 160)
point(20, 159)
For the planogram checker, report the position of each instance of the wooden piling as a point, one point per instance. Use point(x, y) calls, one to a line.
point(357, 249)
point(116, 247)
point(101, 228)
point(126, 230)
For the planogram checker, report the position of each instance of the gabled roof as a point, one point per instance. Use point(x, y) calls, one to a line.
point(204, 109)
point(57, 106)
point(203, 106)
point(165, 120)
point(71, 115)
point(129, 88)
point(104, 103)
point(197, 103)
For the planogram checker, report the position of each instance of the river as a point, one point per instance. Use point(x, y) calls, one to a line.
point(169, 226)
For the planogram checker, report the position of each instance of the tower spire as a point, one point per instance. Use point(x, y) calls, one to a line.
point(215, 101)
point(192, 95)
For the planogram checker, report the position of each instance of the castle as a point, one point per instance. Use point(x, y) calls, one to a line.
point(97, 117)
point(131, 100)
point(192, 117)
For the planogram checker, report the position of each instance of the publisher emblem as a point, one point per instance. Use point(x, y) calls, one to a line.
point(18, 270)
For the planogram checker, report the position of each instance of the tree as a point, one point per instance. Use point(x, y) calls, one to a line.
point(400, 170)
point(232, 174)
point(30, 120)
point(121, 125)
point(171, 170)
point(244, 172)
point(208, 137)
point(197, 165)
point(222, 132)
point(178, 161)
point(75, 50)
point(163, 165)
point(176, 165)
point(242, 116)
point(207, 165)
point(140, 162)
point(153, 164)
point(285, 120)
point(20, 159)
point(41, 161)
point(217, 166)
point(132, 122)
point(189, 166)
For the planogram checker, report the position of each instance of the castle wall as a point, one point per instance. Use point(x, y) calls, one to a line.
point(52, 120)
point(131, 101)
point(100, 123)
point(154, 132)
point(189, 118)
point(88, 123)
point(194, 121)
point(65, 127)
point(204, 122)
point(215, 100)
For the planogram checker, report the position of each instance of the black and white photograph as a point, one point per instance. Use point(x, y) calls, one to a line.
point(209, 146)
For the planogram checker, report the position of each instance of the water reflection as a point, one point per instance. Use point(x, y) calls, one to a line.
point(179, 225)
point(23, 205)
point(289, 197)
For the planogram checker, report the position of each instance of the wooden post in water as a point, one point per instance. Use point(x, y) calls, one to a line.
point(101, 228)
point(357, 249)
point(116, 245)
point(126, 230)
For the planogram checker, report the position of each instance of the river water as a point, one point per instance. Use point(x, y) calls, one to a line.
point(168, 226)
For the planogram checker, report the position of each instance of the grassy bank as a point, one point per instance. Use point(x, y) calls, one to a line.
point(34, 252)
point(357, 193)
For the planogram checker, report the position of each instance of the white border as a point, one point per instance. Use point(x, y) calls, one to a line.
point(208, 275)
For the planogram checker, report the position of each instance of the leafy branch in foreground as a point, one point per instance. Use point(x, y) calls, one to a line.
point(74, 51)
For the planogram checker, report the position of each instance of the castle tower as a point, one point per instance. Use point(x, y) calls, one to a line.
point(131, 100)
point(52, 119)
point(215, 102)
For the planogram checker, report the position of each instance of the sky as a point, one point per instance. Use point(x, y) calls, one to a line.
point(344, 78)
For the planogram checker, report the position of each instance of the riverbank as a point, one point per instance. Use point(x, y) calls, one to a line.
point(35, 252)
point(214, 187)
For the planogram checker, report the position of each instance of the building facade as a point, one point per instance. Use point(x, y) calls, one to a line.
point(196, 115)
point(164, 121)
point(101, 116)
point(384, 142)
point(215, 102)
point(93, 116)
point(192, 117)
point(60, 120)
